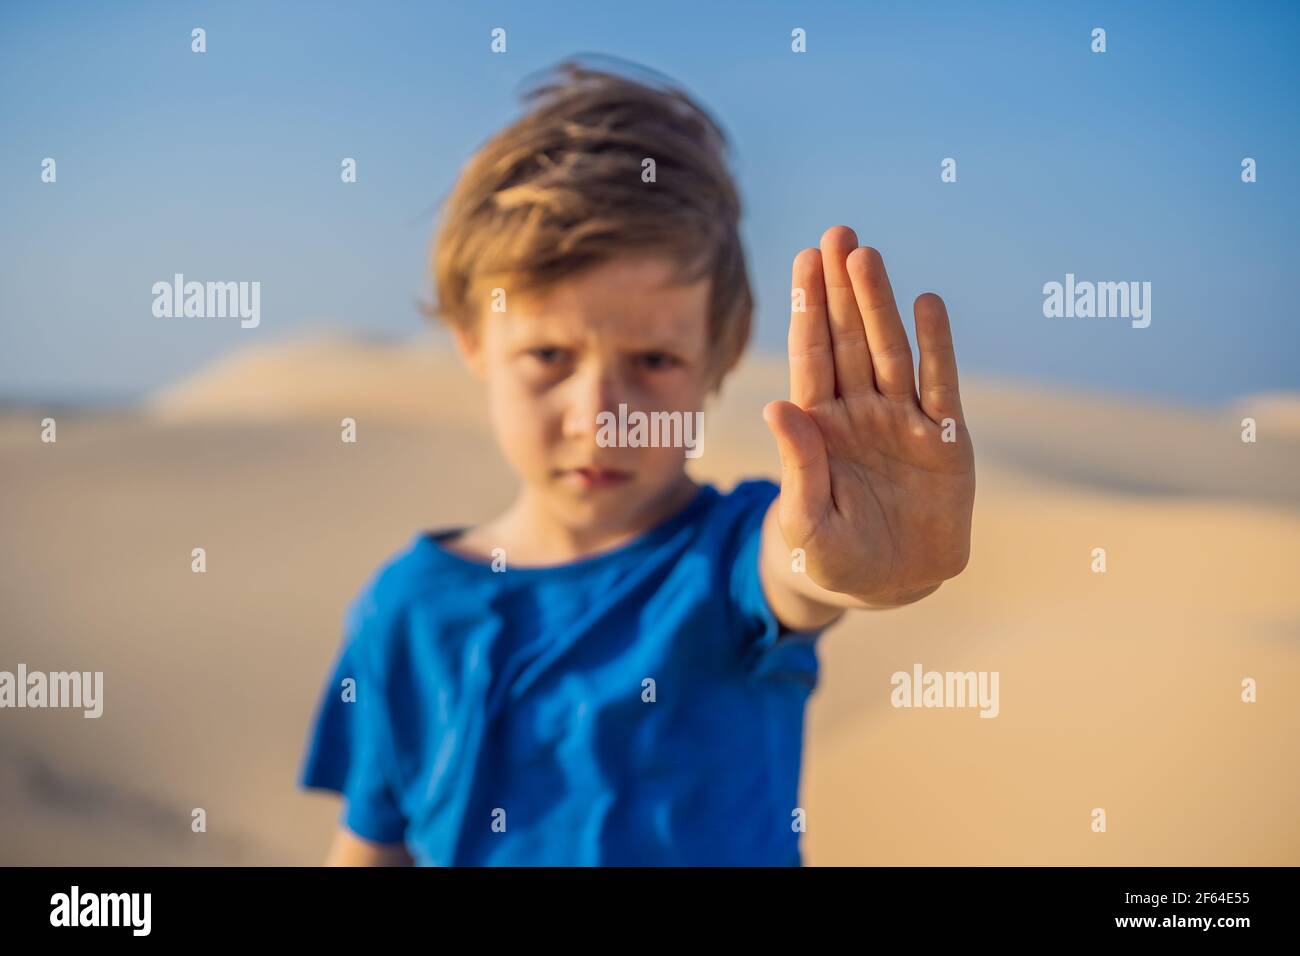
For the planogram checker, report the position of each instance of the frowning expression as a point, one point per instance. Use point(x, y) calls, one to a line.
point(624, 332)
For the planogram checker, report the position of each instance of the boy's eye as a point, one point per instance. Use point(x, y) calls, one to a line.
point(657, 361)
point(548, 354)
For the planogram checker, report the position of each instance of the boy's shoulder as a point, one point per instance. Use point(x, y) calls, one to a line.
point(399, 582)
point(744, 506)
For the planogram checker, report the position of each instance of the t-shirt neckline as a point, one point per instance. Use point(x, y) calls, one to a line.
point(433, 539)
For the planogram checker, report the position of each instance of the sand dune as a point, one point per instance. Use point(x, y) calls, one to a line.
point(1118, 690)
point(326, 376)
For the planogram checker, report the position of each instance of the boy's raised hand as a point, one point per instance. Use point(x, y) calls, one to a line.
point(870, 490)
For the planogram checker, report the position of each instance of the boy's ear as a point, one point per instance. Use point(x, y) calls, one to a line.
point(470, 348)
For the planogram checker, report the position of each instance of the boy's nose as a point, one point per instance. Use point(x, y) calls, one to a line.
point(591, 392)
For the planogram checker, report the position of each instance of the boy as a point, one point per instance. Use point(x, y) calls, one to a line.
point(614, 671)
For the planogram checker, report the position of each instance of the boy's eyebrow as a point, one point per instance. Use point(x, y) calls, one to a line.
point(664, 338)
point(673, 344)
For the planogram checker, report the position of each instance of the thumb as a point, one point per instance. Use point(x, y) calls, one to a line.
point(805, 471)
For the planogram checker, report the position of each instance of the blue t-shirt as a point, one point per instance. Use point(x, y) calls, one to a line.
point(639, 706)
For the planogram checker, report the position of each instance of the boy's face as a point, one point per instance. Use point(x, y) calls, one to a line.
point(617, 333)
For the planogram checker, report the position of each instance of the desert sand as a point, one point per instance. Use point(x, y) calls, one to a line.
point(1119, 691)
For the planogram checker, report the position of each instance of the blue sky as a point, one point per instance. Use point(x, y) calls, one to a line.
point(1122, 166)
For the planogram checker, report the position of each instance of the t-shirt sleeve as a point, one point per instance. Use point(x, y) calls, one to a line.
point(349, 746)
point(746, 508)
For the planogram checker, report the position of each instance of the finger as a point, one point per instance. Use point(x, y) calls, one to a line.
point(940, 397)
point(891, 355)
point(849, 341)
point(805, 469)
point(812, 363)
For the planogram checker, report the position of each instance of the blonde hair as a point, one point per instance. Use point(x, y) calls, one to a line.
point(561, 189)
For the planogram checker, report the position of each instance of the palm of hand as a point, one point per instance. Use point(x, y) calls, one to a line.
point(878, 480)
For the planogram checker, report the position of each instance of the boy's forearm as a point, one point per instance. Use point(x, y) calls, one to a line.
point(348, 849)
point(798, 601)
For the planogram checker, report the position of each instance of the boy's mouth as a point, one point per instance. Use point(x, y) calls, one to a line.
point(591, 478)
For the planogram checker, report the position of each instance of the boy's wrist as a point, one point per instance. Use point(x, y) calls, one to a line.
point(894, 599)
